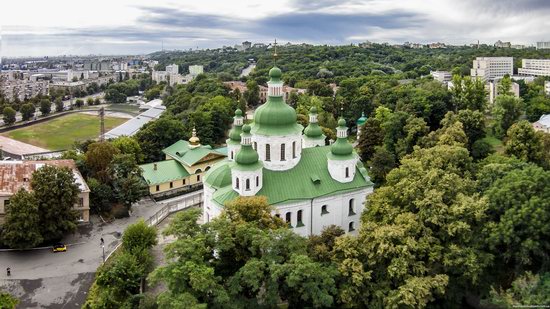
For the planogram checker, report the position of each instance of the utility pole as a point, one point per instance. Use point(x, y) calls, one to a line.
point(103, 247)
point(102, 121)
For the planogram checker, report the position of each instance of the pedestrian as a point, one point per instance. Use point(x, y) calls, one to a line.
point(8, 270)
point(102, 241)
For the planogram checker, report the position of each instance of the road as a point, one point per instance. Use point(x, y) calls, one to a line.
point(66, 103)
point(43, 279)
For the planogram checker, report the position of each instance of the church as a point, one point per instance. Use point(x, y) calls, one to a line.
point(309, 185)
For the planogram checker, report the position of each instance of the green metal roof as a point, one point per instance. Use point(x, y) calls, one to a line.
point(184, 154)
point(219, 175)
point(341, 149)
point(361, 121)
point(235, 132)
point(309, 179)
point(275, 117)
point(275, 74)
point(168, 170)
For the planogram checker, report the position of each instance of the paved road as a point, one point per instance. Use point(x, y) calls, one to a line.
point(42, 279)
point(66, 103)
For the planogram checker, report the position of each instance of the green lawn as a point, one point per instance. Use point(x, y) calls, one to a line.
point(62, 132)
point(497, 144)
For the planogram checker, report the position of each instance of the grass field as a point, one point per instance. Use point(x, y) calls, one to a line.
point(62, 132)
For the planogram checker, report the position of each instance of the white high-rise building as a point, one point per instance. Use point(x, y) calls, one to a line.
point(543, 45)
point(547, 87)
point(491, 68)
point(172, 69)
point(535, 67)
point(442, 76)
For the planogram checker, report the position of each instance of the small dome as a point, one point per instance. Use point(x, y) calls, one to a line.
point(238, 112)
point(341, 147)
point(246, 129)
point(313, 110)
point(341, 122)
point(275, 73)
point(361, 121)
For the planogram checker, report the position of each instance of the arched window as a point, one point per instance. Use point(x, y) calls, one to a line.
point(247, 186)
point(232, 155)
point(324, 210)
point(351, 227)
point(267, 152)
point(198, 171)
point(347, 172)
point(288, 217)
point(236, 183)
point(207, 168)
point(257, 181)
point(294, 149)
point(299, 218)
point(198, 177)
point(351, 207)
point(283, 155)
point(255, 146)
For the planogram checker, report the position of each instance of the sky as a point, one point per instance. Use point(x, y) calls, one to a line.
point(76, 27)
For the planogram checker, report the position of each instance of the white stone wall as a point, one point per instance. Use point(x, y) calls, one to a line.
point(210, 209)
point(308, 142)
point(232, 151)
point(254, 179)
point(259, 142)
point(337, 169)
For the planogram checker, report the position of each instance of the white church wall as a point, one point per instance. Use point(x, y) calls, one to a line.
point(275, 142)
point(337, 169)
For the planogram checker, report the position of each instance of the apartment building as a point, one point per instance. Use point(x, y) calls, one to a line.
point(491, 68)
point(441, 76)
point(543, 45)
point(535, 67)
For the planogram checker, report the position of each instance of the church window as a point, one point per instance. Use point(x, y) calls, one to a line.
point(351, 207)
point(288, 218)
point(207, 168)
point(299, 218)
point(324, 210)
point(267, 152)
point(351, 227)
point(183, 182)
point(247, 186)
point(198, 177)
point(257, 181)
point(198, 171)
point(294, 149)
point(158, 189)
point(231, 155)
point(347, 172)
point(255, 146)
point(236, 183)
point(171, 185)
point(283, 152)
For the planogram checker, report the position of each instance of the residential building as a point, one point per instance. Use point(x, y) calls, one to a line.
point(491, 68)
point(547, 87)
point(246, 45)
point(518, 46)
point(492, 88)
point(543, 124)
point(543, 45)
point(500, 44)
point(16, 175)
point(184, 167)
point(437, 45)
point(195, 70)
point(442, 76)
point(24, 89)
point(535, 67)
point(309, 185)
point(172, 69)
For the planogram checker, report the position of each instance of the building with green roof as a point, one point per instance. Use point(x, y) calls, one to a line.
point(311, 185)
point(184, 167)
point(360, 123)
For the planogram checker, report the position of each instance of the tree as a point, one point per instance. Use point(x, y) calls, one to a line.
point(468, 93)
point(526, 291)
point(59, 105)
point(101, 196)
point(7, 301)
point(27, 111)
point(159, 134)
point(45, 106)
point(371, 137)
point(56, 191)
point(128, 145)
point(518, 230)
point(97, 101)
point(9, 115)
point(473, 124)
point(21, 227)
point(139, 237)
point(90, 101)
point(536, 107)
point(98, 157)
point(252, 93)
point(418, 240)
point(524, 143)
point(506, 111)
point(381, 164)
point(126, 179)
point(79, 103)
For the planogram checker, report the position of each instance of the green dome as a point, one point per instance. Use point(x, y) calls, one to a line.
point(341, 147)
point(238, 112)
point(275, 73)
point(313, 130)
point(361, 121)
point(275, 117)
point(341, 122)
point(219, 175)
point(246, 155)
point(313, 110)
point(235, 132)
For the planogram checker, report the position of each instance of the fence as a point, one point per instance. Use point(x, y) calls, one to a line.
point(190, 200)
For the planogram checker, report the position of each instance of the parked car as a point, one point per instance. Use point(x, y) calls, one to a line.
point(59, 248)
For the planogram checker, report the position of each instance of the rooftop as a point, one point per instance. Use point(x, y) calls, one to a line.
point(183, 153)
point(163, 171)
point(133, 125)
point(544, 120)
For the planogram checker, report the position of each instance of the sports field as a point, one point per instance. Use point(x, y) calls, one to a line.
point(62, 132)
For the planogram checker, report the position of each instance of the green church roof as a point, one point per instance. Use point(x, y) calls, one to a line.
point(166, 171)
point(341, 149)
point(361, 121)
point(183, 153)
point(275, 73)
point(219, 175)
point(309, 179)
point(247, 157)
point(313, 130)
point(235, 132)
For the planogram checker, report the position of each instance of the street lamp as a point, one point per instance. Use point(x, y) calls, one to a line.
point(103, 248)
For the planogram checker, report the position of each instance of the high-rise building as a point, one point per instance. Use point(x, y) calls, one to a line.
point(172, 69)
point(491, 68)
point(543, 45)
point(535, 67)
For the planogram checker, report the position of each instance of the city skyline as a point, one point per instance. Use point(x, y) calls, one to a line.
point(136, 27)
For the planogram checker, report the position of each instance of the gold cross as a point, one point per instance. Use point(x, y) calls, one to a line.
point(275, 46)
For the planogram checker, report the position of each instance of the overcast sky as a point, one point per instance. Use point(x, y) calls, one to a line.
point(37, 28)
